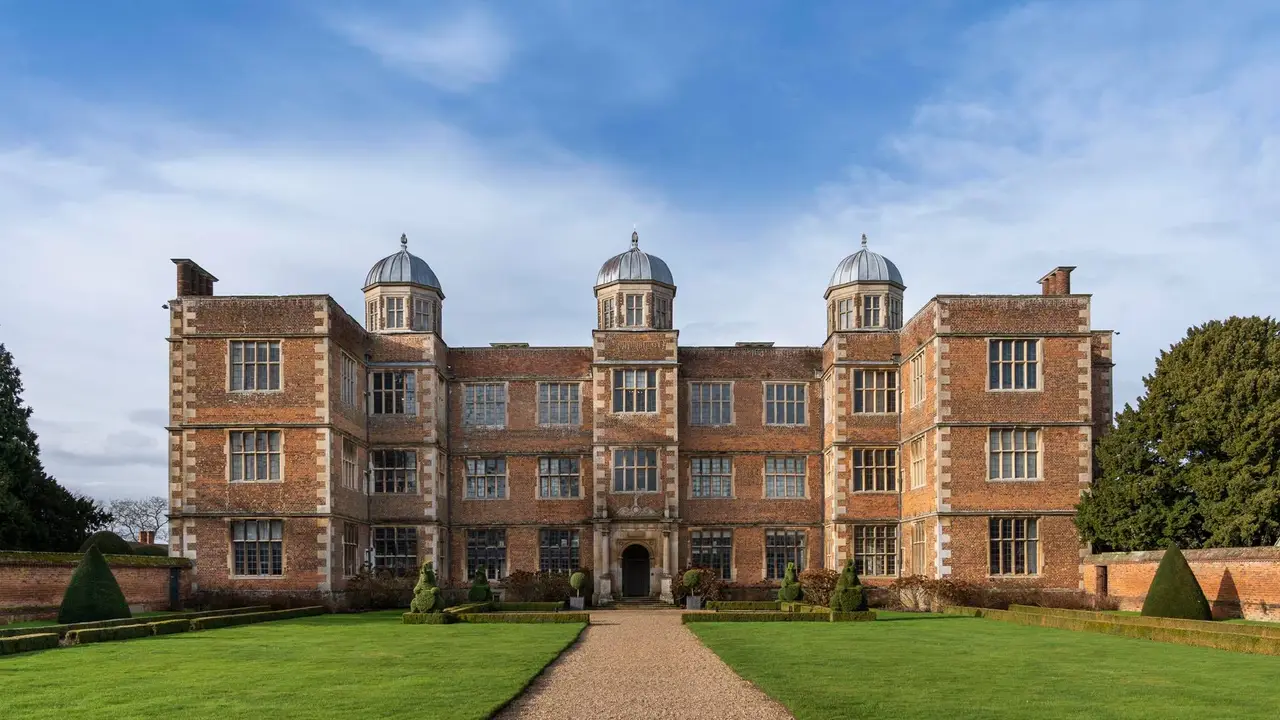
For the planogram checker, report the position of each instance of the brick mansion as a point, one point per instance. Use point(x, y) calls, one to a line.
point(954, 442)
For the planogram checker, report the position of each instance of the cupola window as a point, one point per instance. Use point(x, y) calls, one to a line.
point(395, 313)
point(635, 311)
point(844, 314)
point(871, 311)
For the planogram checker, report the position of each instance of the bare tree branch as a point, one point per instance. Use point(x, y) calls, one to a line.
point(134, 516)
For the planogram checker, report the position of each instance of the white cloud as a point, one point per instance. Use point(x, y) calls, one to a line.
point(455, 53)
point(1156, 184)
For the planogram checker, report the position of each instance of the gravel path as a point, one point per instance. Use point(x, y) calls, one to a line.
point(640, 664)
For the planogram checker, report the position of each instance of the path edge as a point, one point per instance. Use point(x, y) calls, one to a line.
point(573, 642)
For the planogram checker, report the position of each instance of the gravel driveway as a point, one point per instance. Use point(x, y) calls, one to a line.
point(641, 664)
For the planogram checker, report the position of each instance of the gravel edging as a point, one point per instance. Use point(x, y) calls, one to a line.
point(568, 647)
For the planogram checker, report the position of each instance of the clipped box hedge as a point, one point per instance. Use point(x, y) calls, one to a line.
point(440, 618)
point(802, 607)
point(168, 627)
point(526, 617)
point(527, 606)
point(26, 643)
point(1118, 625)
point(66, 628)
point(109, 634)
point(753, 616)
point(1178, 623)
point(742, 605)
point(221, 621)
point(860, 616)
point(476, 607)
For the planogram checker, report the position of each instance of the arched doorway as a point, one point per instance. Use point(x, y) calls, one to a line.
point(635, 571)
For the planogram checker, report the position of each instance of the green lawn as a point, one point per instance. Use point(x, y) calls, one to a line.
point(330, 666)
point(43, 623)
point(956, 667)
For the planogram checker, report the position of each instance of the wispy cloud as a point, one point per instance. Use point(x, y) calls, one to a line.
point(454, 52)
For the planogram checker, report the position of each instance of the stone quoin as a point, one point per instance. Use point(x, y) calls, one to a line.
point(951, 443)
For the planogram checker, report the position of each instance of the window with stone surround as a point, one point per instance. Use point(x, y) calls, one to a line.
point(558, 477)
point(918, 548)
point(635, 470)
point(782, 547)
point(875, 550)
point(917, 379)
point(423, 314)
point(711, 476)
point(710, 403)
point(784, 477)
point(635, 311)
point(371, 315)
point(395, 471)
point(871, 311)
point(661, 313)
point(635, 391)
point(895, 313)
point(486, 478)
point(844, 314)
point(917, 463)
point(487, 549)
point(1013, 365)
point(395, 549)
point(394, 316)
point(608, 316)
point(558, 551)
point(875, 470)
point(559, 404)
point(350, 383)
point(1014, 454)
point(784, 403)
point(393, 393)
point(712, 549)
point(350, 549)
point(255, 456)
point(484, 405)
point(255, 366)
point(350, 465)
point(257, 548)
point(1015, 546)
point(875, 391)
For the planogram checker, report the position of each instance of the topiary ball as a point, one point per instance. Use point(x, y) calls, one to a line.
point(577, 580)
point(108, 543)
point(692, 578)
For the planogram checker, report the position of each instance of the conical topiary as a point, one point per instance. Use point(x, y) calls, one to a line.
point(93, 593)
point(1175, 592)
point(108, 542)
point(480, 590)
point(426, 596)
point(790, 590)
point(849, 595)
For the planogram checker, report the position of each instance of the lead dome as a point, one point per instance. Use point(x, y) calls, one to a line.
point(865, 266)
point(634, 265)
point(402, 267)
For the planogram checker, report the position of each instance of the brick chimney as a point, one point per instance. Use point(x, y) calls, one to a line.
point(193, 279)
point(1058, 281)
point(147, 537)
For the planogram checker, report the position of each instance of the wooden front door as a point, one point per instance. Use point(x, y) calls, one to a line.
point(635, 571)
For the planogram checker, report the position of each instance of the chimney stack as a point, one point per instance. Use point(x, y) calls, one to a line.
point(1058, 281)
point(147, 537)
point(193, 279)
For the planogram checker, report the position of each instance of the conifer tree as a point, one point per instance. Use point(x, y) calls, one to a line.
point(93, 593)
point(1175, 592)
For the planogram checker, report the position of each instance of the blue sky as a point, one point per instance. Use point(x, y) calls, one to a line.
point(286, 145)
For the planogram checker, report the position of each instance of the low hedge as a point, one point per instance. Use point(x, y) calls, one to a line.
point(525, 617)
point(961, 610)
point(68, 627)
point(26, 643)
point(109, 634)
point(221, 621)
point(476, 607)
point(749, 616)
point(22, 557)
point(440, 618)
point(860, 616)
point(168, 627)
point(802, 607)
point(1222, 640)
point(1211, 625)
point(527, 606)
point(739, 605)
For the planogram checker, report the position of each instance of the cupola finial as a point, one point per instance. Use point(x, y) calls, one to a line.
point(635, 238)
point(404, 241)
point(864, 240)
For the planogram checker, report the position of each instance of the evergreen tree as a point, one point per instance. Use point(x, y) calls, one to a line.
point(1197, 463)
point(36, 513)
point(1175, 592)
point(93, 593)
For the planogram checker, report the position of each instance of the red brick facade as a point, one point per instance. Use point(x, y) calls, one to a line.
point(39, 582)
point(776, 455)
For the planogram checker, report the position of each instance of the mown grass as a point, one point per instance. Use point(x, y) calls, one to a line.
point(152, 616)
point(958, 667)
point(330, 666)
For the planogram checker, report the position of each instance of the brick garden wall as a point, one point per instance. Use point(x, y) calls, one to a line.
point(38, 580)
point(1239, 582)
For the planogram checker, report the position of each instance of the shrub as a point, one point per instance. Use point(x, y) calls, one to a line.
point(754, 617)
point(558, 617)
point(93, 593)
point(108, 543)
point(817, 584)
point(1174, 591)
point(577, 581)
point(480, 590)
point(691, 578)
point(379, 589)
point(426, 596)
point(731, 605)
point(27, 643)
point(790, 590)
point(849, 595)
point(150, 550)
point(108, 634)
point(412, 618)
point(710, 586)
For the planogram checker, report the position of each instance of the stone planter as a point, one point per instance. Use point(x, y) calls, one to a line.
point(577, 603)
point(693, 602)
